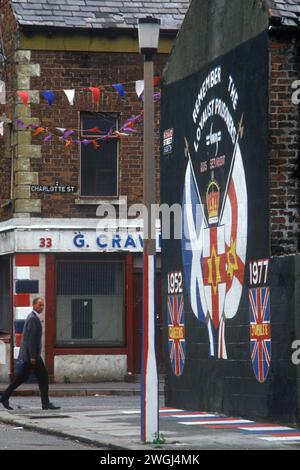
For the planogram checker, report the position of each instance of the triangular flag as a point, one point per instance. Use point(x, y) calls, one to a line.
point(67, 133)
point(61, 129)
point(70, 95)
point(94, 129)
point(129, 130)
point(120, 89)
point(139, 87)
point(96, 94)
point(24, 95)
point(38, 131)
point(2, 92)
point(49, 96)
point(156, 81)
point(21, 124)
point(95, 144)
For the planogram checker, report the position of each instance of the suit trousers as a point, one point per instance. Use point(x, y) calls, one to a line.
point(22, 376)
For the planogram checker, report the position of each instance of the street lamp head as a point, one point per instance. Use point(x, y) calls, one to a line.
point(148, 28)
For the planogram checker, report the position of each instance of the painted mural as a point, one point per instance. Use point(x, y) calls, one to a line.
point(214, 164)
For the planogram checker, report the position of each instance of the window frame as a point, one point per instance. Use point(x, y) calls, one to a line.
point(116, 116)
point(93, 345)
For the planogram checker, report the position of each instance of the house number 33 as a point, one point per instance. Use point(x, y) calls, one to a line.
point(45, 242)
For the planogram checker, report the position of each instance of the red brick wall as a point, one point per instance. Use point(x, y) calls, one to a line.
point(65, 70)
point(8, 27)
point(284, 144)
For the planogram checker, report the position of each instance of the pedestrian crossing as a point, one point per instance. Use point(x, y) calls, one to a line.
point(264, 431)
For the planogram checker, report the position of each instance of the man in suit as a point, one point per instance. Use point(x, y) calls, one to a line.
point(30, 358)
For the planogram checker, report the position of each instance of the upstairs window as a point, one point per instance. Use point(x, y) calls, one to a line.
point(99, 166)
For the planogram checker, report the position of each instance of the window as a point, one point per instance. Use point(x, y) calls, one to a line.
point(82, 318)
point(99, 166)
point(90, 304)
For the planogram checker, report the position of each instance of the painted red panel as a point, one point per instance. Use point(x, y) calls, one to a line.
point(18, 339)
point(22, 300)
point(27, 259)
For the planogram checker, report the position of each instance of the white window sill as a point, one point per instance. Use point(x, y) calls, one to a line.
point(118, 201)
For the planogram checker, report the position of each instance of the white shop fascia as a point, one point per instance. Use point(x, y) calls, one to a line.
point(72, 235)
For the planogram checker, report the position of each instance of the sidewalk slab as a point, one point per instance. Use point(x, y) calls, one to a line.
point(113, 423)
point(82, 390)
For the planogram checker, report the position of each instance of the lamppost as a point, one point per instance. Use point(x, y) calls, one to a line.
point(148, 29)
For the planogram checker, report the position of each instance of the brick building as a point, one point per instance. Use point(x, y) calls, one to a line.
point(52, 183)
point(284, 128)
point(231, 102)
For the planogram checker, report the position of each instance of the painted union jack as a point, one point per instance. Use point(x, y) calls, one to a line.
point(176, 333)
point(260, 332)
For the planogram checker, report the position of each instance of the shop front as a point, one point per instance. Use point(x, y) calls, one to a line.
point(91, 280)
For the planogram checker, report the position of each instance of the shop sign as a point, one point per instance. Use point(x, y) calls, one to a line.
point(81, 241)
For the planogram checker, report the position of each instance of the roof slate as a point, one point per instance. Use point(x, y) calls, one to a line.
point(101, 14)
point(287, 12)
point(98, 14)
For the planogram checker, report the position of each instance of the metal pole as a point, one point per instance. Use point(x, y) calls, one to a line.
point(149, 372)
point(149, 160)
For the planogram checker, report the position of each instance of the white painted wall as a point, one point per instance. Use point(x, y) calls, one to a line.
point(90, 368)
point(4, 361)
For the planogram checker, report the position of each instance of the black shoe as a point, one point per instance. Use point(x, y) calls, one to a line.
point(50, 406)
point(5, 403)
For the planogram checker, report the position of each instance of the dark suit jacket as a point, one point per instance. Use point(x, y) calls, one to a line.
point(31, 346)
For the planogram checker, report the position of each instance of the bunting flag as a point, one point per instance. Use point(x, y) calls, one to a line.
point(126, 130)
point(96, 94)
point(95, 130)
point(2, 92)
point(24, 95)
point(38, 131)
point(95, 143)
point(67, 133)
point(70, 95)
point(120, 89)
point(49, 96)
point(156, 81)
point(139, 87)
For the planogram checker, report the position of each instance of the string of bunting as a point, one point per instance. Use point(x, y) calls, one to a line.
point(49, 95)
point(68, 136)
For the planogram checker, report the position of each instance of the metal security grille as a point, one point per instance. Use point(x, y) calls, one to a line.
point(90, 303)
point(89, 278)
point(82, 318)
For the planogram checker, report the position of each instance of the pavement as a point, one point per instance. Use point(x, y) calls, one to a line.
point(80, 389)
point(107, 415)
